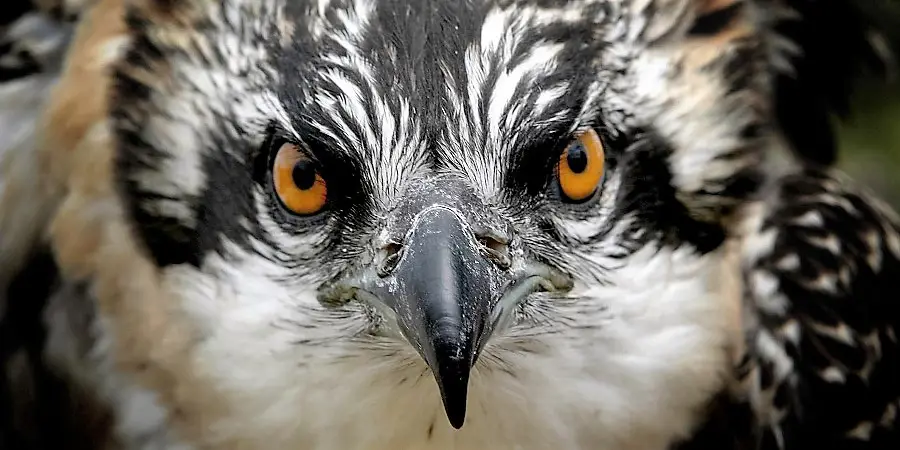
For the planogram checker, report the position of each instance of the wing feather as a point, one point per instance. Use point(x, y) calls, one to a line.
point(822, 264)
point(42, 404)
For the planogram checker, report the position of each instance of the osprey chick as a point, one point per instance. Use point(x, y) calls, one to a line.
point(361, 224)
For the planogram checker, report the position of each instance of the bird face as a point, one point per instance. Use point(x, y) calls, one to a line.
point(526, 201)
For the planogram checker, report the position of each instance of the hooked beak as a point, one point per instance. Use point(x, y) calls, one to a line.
point(449, 292)
point(442, 290)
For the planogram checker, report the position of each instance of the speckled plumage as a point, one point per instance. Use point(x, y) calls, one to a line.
point(724, 288)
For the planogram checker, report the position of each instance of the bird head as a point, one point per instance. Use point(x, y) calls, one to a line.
point(510, 196)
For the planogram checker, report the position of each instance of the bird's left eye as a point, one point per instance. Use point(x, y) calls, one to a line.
point(297, 181)
point(581, 166)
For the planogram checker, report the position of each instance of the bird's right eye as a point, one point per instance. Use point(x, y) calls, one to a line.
point(297, 181)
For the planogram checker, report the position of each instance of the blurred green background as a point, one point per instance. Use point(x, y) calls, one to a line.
point(870, 139)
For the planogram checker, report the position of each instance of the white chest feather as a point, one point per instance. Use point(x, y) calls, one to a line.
point(626, 365)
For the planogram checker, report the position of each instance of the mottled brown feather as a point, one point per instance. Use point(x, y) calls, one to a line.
point(92, 239)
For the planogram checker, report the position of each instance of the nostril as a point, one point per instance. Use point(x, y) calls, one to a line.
point(389, 256)
point(497, 249)
point(493, 243)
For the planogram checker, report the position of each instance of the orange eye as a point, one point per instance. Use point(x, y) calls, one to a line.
point(297, 181)
point(581, 166)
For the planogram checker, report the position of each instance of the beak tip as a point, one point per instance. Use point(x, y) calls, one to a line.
point(458, 420)
point(453, 381)
point(455, 407)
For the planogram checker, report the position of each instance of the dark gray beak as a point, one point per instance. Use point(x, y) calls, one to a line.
point(442, 289)
point(448, 269)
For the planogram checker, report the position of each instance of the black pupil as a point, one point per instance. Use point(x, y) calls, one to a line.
point(304, 174)
point(577, 158)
